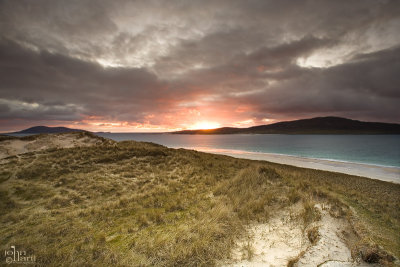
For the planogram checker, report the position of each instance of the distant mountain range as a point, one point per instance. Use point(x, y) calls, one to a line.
point(45, 129)
point(319, 125)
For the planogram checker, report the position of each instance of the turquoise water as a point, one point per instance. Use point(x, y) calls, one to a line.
point(381, 150)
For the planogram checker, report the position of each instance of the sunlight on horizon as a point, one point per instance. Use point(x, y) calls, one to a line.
point(204, 125)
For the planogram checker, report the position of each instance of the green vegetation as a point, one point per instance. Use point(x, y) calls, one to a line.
point(141, 204)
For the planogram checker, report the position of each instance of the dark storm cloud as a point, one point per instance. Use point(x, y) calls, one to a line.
point(44, 84)
point(366, 87)
point(150, 61)
point(246, 72)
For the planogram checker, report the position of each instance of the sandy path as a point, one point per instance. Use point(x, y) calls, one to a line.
point(282, 239)
point(273, 243)
point(330, 249)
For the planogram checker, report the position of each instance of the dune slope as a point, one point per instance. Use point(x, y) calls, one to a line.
point(141, 204)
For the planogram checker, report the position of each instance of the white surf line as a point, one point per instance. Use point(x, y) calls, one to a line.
point(384, 173)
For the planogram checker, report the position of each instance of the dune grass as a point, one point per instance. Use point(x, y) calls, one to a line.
point(141, 204)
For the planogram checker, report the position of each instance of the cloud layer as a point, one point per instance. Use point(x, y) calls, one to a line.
point(159, 65)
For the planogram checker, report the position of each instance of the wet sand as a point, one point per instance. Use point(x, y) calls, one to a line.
point(389, 174)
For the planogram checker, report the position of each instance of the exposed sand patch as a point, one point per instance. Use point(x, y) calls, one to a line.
point(45, 141)
point(283, 238)
point(273, 243)
point(331, 248)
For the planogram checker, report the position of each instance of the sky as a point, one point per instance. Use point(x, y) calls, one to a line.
point(145, 66)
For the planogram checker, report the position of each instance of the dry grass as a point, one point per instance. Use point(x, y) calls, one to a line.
point(310, 213)
point(292, 262)
point(141, 204)
point(313, 235)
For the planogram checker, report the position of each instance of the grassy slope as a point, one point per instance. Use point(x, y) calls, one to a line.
point(134, 203)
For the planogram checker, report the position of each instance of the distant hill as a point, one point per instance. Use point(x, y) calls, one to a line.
point(45, 129)
point(319, 125)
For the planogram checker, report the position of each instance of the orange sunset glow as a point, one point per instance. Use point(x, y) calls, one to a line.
point(206, 125)
point(200, 133)
point(161, 67)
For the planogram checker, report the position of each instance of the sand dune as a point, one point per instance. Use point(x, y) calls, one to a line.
point(200, 208)
point(283, 238)
point(16, 146)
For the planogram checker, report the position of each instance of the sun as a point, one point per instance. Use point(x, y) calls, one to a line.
point(204, 125)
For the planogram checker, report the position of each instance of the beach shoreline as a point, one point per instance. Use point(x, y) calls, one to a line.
point(384, 173)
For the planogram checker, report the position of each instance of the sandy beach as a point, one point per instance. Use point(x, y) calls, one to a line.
point(389, 174)
point(384, 173)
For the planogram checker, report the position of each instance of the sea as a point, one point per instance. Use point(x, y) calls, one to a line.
point(380, 150)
